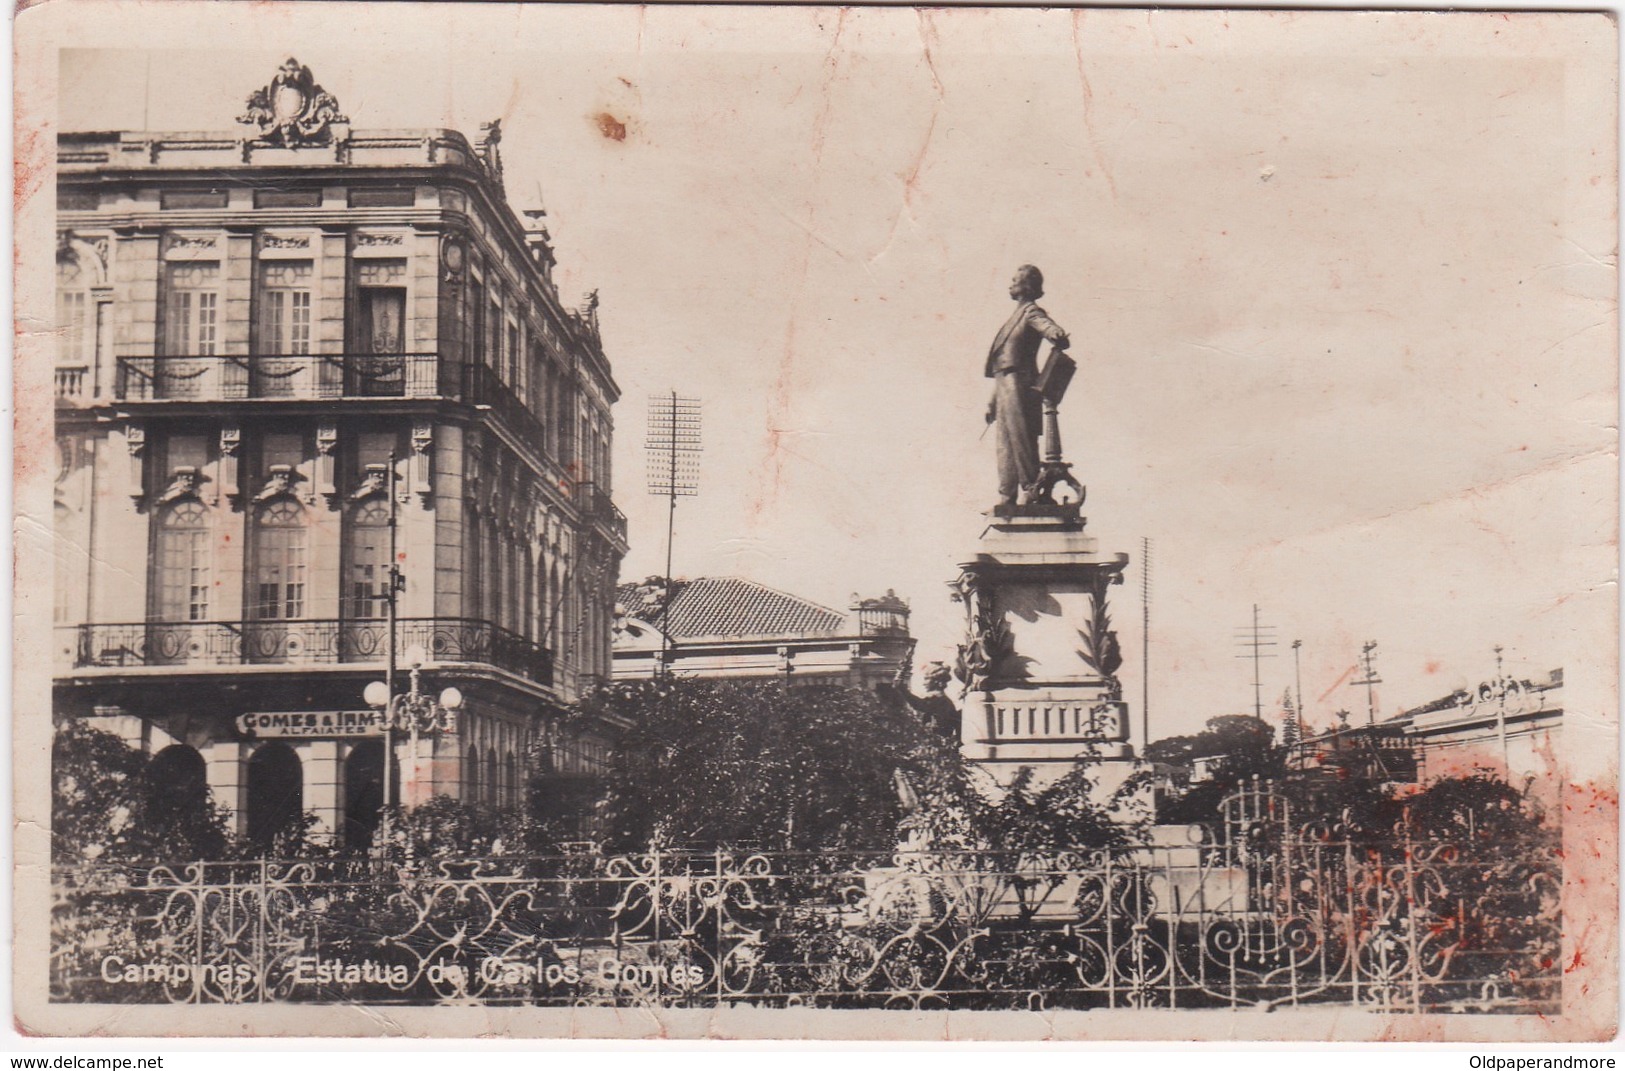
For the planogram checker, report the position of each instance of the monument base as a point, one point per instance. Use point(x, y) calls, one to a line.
point(1040, 659)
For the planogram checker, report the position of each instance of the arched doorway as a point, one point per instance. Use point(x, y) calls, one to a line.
point(175, 789)
point(276, 793)
point(364, 792)
point(177, 781)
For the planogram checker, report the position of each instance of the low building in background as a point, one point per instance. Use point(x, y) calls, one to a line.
point(1513, 724)
point(729, 627)
point(1508, 725)
point(1381, 752)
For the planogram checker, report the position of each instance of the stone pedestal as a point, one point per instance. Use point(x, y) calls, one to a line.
point(1040, 656)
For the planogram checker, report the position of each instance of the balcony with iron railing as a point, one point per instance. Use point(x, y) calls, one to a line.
point(186, 644)
point(480, 385)
point(256, 377)
point(314, 377)
point(595, 504)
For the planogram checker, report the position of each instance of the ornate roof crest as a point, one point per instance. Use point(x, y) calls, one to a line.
point(292, 110)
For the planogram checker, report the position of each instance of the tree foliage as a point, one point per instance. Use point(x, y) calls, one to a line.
point(1023, 821)
point(759, 764)
point(1240, 747)
point(106, 805)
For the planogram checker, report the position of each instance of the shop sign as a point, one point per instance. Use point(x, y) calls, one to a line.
point(312, 723)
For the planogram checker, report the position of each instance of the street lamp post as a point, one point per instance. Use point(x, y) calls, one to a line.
point(415, 712)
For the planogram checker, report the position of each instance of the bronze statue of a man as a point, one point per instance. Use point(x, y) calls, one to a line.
point(1012, 363)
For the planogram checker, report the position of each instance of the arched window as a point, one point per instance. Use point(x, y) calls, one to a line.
point(280, 547)
point(364, 792)
point(276, 793)
point(182, 562)
point(177, 782)
point(366, 570)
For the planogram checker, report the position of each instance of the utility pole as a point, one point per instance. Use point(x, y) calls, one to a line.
point(395, 582)
point(1297, 674)
point(1256, 638)
point(1370, 680)
point(673, 453)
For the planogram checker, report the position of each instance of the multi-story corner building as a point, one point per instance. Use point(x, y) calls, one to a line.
point(263, 334)
point(729, 627)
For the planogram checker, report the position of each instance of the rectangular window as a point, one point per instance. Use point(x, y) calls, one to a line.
point(285, 306)
point(476, 328)
point(283, 448)
point(71, 316)
point(383, 319)
point(381, 272)
point(192, 314)
point(377, 367)
point(382, 198)
point(374, 448)
point(77, 200)
point(192, 199)
point(493, 341)
point(367, 595)
point(280, 575)
point(186, 451)
point(197, 577)
point(381, 306)
point(287, 198)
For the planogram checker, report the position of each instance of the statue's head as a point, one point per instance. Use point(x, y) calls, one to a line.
point(1028, 284)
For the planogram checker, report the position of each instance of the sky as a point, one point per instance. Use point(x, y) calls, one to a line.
point(1341, 287)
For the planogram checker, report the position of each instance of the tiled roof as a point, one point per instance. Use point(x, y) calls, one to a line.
point(730, 606)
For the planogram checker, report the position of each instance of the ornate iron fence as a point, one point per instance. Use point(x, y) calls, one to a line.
point(1261, 913)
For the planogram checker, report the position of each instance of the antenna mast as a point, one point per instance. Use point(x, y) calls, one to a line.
point(1145, 640)
point(673, 450)
point(1256, 639)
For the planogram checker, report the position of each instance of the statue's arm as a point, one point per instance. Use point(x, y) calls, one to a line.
point(1039, 321)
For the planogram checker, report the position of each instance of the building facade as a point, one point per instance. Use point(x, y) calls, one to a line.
point(283, 352)
point(729, 627)
point(1510, 725)
point(1506, 722)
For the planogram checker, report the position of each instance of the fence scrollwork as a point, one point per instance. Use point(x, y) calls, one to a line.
point(1264, 913)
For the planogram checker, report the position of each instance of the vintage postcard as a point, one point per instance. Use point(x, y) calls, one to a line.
point(809, 522)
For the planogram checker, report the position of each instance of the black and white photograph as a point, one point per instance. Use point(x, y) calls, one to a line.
point(809, 522)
